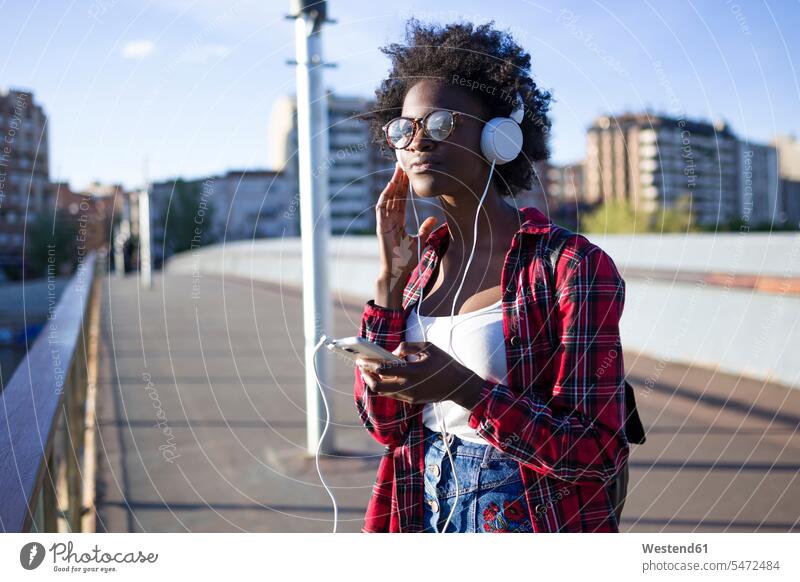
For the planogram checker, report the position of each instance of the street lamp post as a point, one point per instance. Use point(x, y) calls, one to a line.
point(312, 140)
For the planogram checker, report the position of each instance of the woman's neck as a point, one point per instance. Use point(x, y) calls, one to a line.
point(497, 221)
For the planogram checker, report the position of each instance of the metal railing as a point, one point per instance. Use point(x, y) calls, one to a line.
point(47, 417)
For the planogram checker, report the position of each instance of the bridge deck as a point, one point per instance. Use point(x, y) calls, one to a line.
point(201, 425)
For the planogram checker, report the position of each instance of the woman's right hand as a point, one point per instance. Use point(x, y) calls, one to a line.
point(398, 252)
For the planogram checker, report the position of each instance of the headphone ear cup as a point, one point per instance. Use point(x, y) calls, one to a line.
point(501, 140)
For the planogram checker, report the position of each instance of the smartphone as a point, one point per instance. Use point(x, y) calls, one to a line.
point(354, 347)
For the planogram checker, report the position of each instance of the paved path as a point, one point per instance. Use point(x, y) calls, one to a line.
point(201, 425)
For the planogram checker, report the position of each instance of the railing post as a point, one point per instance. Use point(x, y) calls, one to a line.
point(49, 498)
point(38, 514)
point(72, 445)
point(59, 449)
point(88, 519)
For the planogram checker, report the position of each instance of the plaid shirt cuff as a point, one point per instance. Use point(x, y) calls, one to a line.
point(377, 310)
point(477, 412)
point(382, 325)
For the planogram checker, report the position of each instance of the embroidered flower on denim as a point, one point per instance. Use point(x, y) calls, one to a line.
point(491, 512)
point(510, 519)
point(513, 511)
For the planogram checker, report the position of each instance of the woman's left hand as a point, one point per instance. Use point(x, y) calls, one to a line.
point(429, 374)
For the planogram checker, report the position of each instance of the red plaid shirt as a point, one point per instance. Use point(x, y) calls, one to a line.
point(562, 415)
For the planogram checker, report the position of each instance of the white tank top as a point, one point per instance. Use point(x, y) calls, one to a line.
point(478, 344)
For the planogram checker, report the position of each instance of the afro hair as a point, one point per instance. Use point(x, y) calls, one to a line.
point(487, 63)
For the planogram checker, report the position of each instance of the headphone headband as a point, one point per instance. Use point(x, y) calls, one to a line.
point(519, 110)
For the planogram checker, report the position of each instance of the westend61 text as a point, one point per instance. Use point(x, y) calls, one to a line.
point(672, 549)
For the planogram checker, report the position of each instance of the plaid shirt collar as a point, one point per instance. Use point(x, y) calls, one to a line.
point(534, 223)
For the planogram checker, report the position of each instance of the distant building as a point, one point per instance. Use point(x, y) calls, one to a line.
point(653, 161)
point(759, 185)
point(90, 214)
point(113, 203)
point(252, 204)
point(25, 189)
point(788, 148)
point(357, 172)
point(538, 195)
point(790, 203)
point(100, 190)
point(239, 205)
point(566, 183)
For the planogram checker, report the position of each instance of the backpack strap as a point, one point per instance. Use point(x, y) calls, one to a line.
point(634, 430)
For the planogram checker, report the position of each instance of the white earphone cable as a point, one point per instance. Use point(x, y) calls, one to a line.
point(325, 430)
point(436, 410)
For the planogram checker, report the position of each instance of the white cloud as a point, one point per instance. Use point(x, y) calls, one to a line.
point(138, 49)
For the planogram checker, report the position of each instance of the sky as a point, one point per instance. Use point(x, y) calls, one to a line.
point(189, 85)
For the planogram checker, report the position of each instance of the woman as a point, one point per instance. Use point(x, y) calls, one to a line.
point(527, 379)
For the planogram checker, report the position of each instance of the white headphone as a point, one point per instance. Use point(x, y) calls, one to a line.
point(501, 138)
point(501, 142)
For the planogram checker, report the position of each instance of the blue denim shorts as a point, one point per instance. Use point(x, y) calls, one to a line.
point(491, 492)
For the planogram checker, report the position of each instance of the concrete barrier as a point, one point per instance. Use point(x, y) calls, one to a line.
point(730, 301)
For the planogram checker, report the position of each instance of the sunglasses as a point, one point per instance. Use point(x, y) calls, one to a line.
point(437, 125)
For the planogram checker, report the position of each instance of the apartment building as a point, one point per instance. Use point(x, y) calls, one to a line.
point(25, 189)
point(654, 161)
point(357, 172)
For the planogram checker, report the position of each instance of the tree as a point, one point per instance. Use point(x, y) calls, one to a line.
point(188, 218)
point(677, 218)
point(612, 217)
point(618, 217)
point(51, 241)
